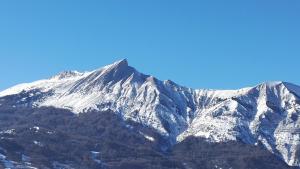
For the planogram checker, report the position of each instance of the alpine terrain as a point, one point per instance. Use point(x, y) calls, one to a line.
point(117, 117)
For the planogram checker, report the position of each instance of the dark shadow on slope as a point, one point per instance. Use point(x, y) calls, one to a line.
point(198, 153)
point(96, 140)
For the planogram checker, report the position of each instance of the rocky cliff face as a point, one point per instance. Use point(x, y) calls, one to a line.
point(266, 114)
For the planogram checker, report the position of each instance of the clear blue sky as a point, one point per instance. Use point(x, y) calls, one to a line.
point(201, 43)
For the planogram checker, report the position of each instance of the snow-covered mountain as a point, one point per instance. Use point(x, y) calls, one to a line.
point(266, 114)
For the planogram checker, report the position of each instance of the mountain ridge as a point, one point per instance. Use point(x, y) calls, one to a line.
point(255, 115)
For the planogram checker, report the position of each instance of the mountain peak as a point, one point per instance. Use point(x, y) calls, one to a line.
point(118, 64)
point(270, 84)
point(110, 74)
point(122, 61)
point(67, 74)
point(274, 83)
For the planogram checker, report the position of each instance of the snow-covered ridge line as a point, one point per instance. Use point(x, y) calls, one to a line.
point(74, 75)
point(259, 114)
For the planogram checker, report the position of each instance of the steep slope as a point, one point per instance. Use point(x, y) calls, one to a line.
point(119, 87)
point(266, 114)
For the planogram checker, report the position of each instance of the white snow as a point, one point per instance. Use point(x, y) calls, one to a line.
point(38, 143)
point(9, 131)
point(147, 137)
point(36, 128)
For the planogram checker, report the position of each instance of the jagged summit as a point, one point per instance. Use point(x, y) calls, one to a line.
point(273, 83)
point(122, 62)
point(67, 74)
point(267, 113)
point(116, 72)
point(279, 88)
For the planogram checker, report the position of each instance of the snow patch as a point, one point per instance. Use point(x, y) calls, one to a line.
point(147, 137)
point(9, 131)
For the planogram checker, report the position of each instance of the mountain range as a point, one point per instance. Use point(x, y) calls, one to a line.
point(159, 116)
